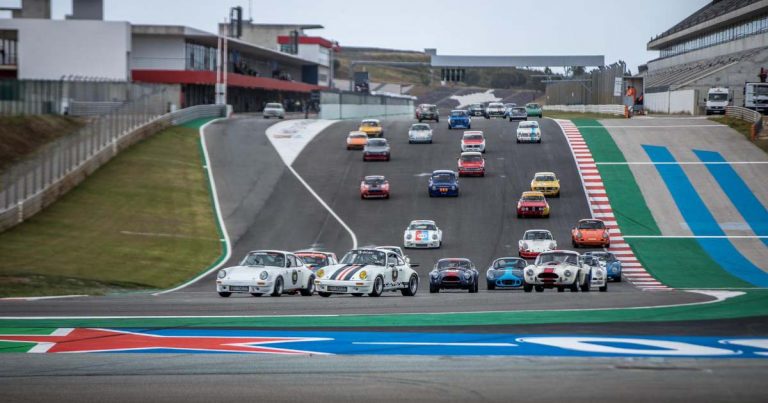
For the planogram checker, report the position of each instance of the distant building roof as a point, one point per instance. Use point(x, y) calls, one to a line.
point(711, 11)
point(307, 40)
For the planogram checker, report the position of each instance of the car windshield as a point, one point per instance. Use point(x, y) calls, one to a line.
point(392, 249)
point(495, 105)
point(519, 110)
point(358, 136)
point(545, 178)
point(533, 106)
point(422, 227)
point(510, 263)
point(537, 235)
point(377, 142)
point(471, 158)
point(570, 258)
point(718, 97)
point(761, 90)
point(375, 181)
point(420, 127)
point(528, 124)
point(428, 108)
point(476, 106)
point(365, 256)
point(453, 263)
point(510, 105)
point(315, 260)
point(370, 124)
point(537, 198)
point(442, 178)
point(274, 106)
point(264, 259)
point(591, 225)
point(604, 256)
point(476, 137)
point(458, 113)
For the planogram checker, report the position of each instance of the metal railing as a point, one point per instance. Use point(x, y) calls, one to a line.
point(32, 184)
point(604, 109)
point(747, 115)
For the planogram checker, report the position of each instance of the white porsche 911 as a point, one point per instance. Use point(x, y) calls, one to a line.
point(535, 242)
point(368, 271)
point(422, 234)
point(266, 272)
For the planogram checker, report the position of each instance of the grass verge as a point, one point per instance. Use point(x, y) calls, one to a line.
point(742, 127)
point(142, 221)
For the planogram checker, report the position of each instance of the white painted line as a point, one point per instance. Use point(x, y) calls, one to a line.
point(696, 236)
point(603, 215)
point(587, 177)
point(219, 216)
point(684, 163)
point(716, 126)
point(41, 298)
point(403, 343)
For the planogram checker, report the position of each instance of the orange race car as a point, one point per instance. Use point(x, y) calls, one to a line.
point(590, 232)
point(356, 140)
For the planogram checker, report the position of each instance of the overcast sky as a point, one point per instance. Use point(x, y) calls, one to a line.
point(619, 30)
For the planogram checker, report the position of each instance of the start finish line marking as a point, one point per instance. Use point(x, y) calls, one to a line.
point(208, 341)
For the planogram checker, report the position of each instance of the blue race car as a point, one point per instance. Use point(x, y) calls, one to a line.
point(459, 119)
point(611, 264)
point(505, 272)
point(443, 182)
point(454, 274)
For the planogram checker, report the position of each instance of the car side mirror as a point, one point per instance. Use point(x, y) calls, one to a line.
point(413, 265)
point(392, 264)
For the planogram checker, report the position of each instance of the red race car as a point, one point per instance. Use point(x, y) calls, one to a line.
point(471, 163)
point(532, 204)
point(590, 232)
point(374, 186)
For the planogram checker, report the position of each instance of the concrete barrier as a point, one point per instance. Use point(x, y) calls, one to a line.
point(604, 109)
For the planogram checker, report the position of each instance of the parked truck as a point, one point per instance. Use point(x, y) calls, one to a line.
point(756, 96)
point(717, 100)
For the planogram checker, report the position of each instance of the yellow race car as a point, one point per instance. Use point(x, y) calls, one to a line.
point(546, 183)
point(371, 127)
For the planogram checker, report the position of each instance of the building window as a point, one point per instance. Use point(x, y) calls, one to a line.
point(200, 57)
point(733, 32)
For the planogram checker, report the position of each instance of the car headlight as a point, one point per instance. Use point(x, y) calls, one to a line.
point(467, 274)
point(434, 237)
point(453, 187)
point(433, 274)
point(525, 246)
point(552, 245)
point(363, 275)
point(320, 273)
point(434, 187)
point(567, 273)
point(222, 274)
point(264, 275)
point(529, 272)
point(490, 275)
point(407, 236)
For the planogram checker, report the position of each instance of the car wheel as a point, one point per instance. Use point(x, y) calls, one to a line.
point(387, 196)
point(357, 294)
point(433, 289)
point(574, 244)
point(256, 294)
point(618, 279)
point(472, 289)
point(560, 288)
point(225, 294)
point(378, 287)
point(527, 287)
point(575, 286)
point(519, 215)
point(491, 286)
point(324, 294)
point(310, 288)
point(282, 117)
point(266, 117)
point(538, 288)
point(437, 120)
point(604, 288)
point(419, 120)
point(585, 286)
point(278, 290)
point(469, 127)
point(413, 286)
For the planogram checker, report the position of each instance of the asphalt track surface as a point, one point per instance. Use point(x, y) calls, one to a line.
point(265, 207)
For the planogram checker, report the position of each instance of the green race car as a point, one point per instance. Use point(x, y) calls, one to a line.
point(533, 109)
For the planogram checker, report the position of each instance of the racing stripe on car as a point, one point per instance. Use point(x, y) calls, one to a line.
point(351, 273)
point(600, 206)
point(342, 274)
point(336, 274)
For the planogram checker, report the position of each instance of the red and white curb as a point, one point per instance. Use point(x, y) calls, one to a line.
point(600, 206)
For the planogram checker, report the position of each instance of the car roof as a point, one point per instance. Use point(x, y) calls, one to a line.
point(538, 230)
point(561, 251)
point(421, 124)
point(458, 110)
point(473, 132)
point(544, 173)
point(590, 220)
point(423, 222)
point(357, 133)
point(454, 259)
point(532, 193)
point(374, 177)
point(443, 171)
point(471, 154)
point(370, 120)
point(270, 251)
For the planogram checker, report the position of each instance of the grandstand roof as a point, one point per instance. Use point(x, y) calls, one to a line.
point(712, 10)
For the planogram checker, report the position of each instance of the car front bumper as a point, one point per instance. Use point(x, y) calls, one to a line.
point(533, 213)
point(421, 244)
point(471, 171)
point(438, 193)
point(476, 148)
point(592, 242)
point(506, 282)
point(239, 287)
point(528, 138)
point(344, 287)
point(375, 157)
point(420, 139)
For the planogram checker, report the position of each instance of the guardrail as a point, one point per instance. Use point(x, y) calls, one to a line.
point(35, 183)
point(604, 109)
point(747, 115)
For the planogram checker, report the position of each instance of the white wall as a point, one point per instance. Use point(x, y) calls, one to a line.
point(350, 111)
point(157, 52)
point(50, 49)
point(682, 101)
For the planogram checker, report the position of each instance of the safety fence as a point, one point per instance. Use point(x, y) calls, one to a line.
point(351, 105)
point(30, 185)
point(603, 109)
point(748, 115)
point(596, 87)
point(75, 97)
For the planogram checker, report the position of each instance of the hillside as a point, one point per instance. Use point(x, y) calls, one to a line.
point(21, 136)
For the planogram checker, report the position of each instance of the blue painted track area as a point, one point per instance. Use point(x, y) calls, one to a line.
point(701, 221)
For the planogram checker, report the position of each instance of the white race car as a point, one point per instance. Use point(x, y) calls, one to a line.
point(420, 133)
point(528, 132)
point(422, 234)
point(274, 110)
point(368, 271)
point(473, 141)
point(397, 250)
point(598, 274)
point(266, 272)
point(535, 242)
point(559, 269)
